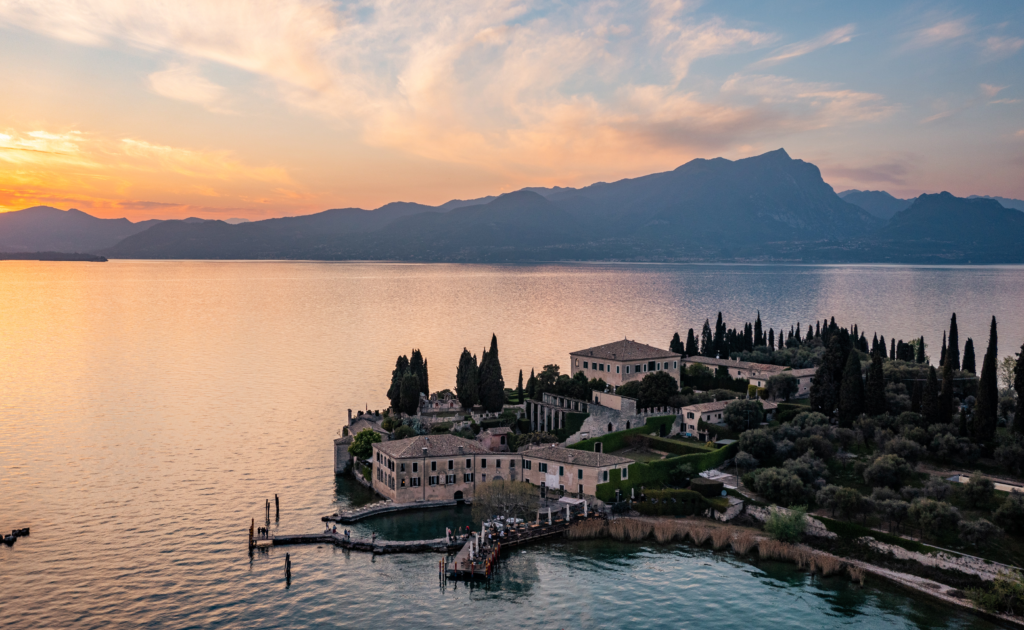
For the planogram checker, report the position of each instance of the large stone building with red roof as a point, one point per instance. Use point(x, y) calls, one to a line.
point(623, 361)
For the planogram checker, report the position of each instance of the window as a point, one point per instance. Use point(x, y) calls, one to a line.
point(511, 463)
point(600, 367)
point(577, 362)
point(433, 466)
point(627, 369)
point(469, 463)
point(579, 473)
point(415, 467)
point(449, 479)
point(542, 467)
point(689, 414)
point(650, 366)
point(625, 473)
point(483, 478)
point(604, 476)
point(586, 365)
point(432, 480)
point(636, 368)
point(466, 478)
point(561, 471)
point(497, 463)
point(616, 369)
point(675, 365)
point(659, 365)
point(451, 464)
point(414, 482)
point(503, 440)
point(402, 467)
point(581, 488)
point(483, 463)
point(561, 487)
point(527, 464)
point(403, 483)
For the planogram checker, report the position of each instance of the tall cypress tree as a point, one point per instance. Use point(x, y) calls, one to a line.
point(874, 387)
point(758, 331)
point(851, 394)
point(824, 396)
point(883, 347)
point(418, 368)
point(519, 388)
point(946, 394)
point(395, 391)
point(410, 394)
point(917, 393)
point(718, 343)
point(953, 350)
point(892, 349)
point(987, 406)
point(691, 344)
point(771, 339)
point(466, 380)
point(1018, 386)
point(920, 350)
point(707, 343)
point(492, 385)
point(930, 398)
point(676, 345)
point(942, 353)
point(531, 385)
point(968, 365)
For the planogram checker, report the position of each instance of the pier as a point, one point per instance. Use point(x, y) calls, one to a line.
point(386, 507)
point(370, 545)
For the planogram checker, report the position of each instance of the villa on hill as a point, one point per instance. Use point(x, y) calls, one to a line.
point(757, 373)
point(623, 361)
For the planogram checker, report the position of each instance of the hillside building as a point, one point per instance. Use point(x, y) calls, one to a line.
point(623, 361)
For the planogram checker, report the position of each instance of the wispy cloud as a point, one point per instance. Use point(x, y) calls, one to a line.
point(991, 90)
point(821, 104)
point(840, 35)
point(939, 33)
point(998, 47)
point(185, 83)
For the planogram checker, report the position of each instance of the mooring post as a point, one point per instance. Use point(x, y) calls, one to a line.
point(288, 566)
point(549, 516)
point(277, 508)
point(268, 511)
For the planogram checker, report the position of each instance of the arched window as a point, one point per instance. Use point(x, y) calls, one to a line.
point(610, 429)
point(628, 424)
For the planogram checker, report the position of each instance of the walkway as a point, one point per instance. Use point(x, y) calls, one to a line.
point(385, 507)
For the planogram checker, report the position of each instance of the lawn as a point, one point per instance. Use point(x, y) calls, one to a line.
point(639, 455)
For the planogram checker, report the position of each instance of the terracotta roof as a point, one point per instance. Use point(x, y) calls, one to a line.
point(625, 350)
point(803, 372)
point(746, 365)
point(719, 405)
point(498, 431)
point(439, 445)
point(574, 456)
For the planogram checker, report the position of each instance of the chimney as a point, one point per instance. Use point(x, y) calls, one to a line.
point(350, 415)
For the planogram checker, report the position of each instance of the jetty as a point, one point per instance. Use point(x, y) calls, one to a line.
point(386, 507)
point(371, 545)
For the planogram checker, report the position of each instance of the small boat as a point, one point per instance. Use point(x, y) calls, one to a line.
point(9, 539)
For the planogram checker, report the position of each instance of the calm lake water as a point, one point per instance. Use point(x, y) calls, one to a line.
point(147, 410)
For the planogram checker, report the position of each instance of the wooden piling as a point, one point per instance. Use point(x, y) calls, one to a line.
point(277, 508)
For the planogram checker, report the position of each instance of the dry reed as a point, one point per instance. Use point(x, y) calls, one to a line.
point(667, 531)
point(828, 564)
point(629, 529)
point(856, 574)
point(769, 549)
point(699, 534)
point(744, 542)
point(584, 530)
point(720, 537)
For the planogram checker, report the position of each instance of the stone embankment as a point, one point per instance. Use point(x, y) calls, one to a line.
point(965, 564)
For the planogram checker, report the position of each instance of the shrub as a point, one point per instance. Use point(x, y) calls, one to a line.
point(672, 503)
point(934, 517)
point(741, 415)
point(441, 427)
point(936, 489)
point(787, 526)
point(888, 470)
point(758, 443)
point(907, 449)
point(706, 487)
point(979, 533)
point(978, 490)
point(404, 431)
point(1005, 594)
point(780, 486)
point(745, 461)
point(1010, 515)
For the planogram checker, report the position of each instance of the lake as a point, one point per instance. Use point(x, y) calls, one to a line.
point(147, 410)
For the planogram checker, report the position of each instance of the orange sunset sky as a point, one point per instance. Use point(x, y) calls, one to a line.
point(256, 109)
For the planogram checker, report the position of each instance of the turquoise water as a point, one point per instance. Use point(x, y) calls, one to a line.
point(148, 409)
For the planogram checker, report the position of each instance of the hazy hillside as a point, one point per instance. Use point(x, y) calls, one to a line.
point(876, 202)
point(1013, 204)
point(46, 229)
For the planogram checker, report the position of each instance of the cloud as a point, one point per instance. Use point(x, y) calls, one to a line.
point(890, 173)
point(185, 83)
point(991, 90)
point(1020, 134)
point(997, 47)
point(942, 32)
point(840, 35)
point(819, 104)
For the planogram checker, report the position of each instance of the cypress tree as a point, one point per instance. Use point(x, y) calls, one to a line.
point(771, 339)
point(942, 353)
point(874, 387)
point(883, 347)
point(930, 398)
point(519, 388)
point(418, 368)
point(797, 336)
point(864, 343)
point(466, 380)
point(758, 331)
point(676, 345)
point(531, 386)
point(718, 343)
point(874, 344)
point(917, 393)
point(825, 385)
point(410, 398)
point(691, 344)
point(920, 351)
point(892, 349)
point(817, 330)
point(810, 334)
point(395, 391)
point(707, 345)
point(987, 405)
point(851, 395)
point(1018, 386)
point(953, 349)
point(491, 385)
point(946, 394)
point(968, 365)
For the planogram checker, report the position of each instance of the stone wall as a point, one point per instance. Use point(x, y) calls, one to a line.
point(965, 564)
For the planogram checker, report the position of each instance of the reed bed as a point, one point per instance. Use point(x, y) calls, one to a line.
point(585, 530)
point(667, 531)
point(699, 534)
point(629, 529)
point(827, 564)
point(856, 574)
point(769, 549)
point(744, 542)
point(720, 537)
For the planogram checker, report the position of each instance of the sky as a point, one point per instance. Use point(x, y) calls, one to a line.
point(266, 108)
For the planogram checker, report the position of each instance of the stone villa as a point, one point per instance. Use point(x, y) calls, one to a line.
point(623, 361)
point(435, 468)
point(712, 412)
point(757, 373)
point(570, 469)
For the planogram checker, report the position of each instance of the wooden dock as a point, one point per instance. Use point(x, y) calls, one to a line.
point(370, 545)
point(386, 507)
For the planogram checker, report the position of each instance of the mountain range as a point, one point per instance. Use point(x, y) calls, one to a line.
point(768, 207)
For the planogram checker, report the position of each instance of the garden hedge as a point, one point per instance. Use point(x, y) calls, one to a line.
point(573, 423)
point(656, 474)
point(617, 440)
point(706, 487)
point(672, 503)
point(676, 447)
point(723, 432)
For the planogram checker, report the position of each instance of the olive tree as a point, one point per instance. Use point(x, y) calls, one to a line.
point(741, 415)
point(362, 443)
point(888, 470)
point(782, 386)
point(516, 499)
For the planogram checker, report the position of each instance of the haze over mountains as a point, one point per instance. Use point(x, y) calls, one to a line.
point(768, 207)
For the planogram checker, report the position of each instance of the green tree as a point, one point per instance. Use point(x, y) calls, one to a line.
point(826, 382)
point(945, 409)
point(395, 391)
point(362, 444)
point(531, 386)
point(759, 443)
point(986, 407)
point(519, 388)
point(787, 526)
point(759, 339)
point(953, 351)
point(707, 346)
point(691, 344)
point(410, 399)
point(851, 397)
point(1018, 387)
point(930, 398)
point(782, 386)
point(629, 389)
point(676, 345)
point(781, 486)
point(968, 365)
point(418, 367)
point(741, 415)
point(1010, 515)
point(466, 380)
point(980, 489)
point(874, 386)
point(829, 498)
point(771, 339)
point(492, 385)
point(934, 517)
point(656, 389)
point(888, 470)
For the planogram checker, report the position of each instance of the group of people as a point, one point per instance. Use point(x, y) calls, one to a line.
point(334, 530)
point(263, 532)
